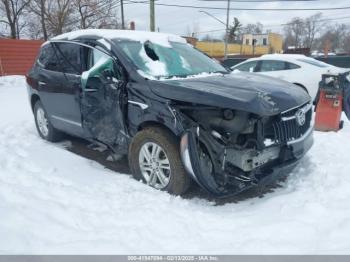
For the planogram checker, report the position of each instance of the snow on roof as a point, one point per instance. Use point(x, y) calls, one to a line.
point(141, 36)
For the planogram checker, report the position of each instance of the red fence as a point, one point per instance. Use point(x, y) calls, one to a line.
point(17, 56)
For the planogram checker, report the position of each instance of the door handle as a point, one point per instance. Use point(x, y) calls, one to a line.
point(41, 83)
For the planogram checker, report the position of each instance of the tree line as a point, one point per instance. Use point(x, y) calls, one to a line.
point(317, 33)
point(42, 19)
point(314, 33)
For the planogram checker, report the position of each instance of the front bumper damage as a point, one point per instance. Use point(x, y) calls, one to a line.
point(250, 167)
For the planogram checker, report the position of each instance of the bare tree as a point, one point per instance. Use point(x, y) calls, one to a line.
point(253, 28)
point(333, 38)
point(13, 11)
point(346, 43)
point(96, 13)
point(39, 8)
point(59, 16)
point(313, 26)
point(234, 30)
point(294, 31)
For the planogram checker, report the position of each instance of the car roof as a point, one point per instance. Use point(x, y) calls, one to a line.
point(294, 58)
point(141, 36)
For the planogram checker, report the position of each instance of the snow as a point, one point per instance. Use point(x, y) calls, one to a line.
point(200, 75)
point(154, 68)
point(141, 36)
point(55, 202)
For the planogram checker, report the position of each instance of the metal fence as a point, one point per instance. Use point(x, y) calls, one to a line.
point(17, 56)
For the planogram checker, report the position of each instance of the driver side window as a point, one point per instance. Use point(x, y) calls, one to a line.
point(96, 57)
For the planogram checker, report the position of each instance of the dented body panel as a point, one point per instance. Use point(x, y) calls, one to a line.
point(240, 91)
point(222, 122)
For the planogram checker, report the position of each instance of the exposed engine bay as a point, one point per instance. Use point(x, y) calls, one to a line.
point(236, 149)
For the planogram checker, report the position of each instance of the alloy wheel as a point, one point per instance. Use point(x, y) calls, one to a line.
point(42, 122)
point(154, 165)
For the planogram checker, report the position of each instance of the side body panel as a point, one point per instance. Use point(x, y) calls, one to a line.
point(60, 95)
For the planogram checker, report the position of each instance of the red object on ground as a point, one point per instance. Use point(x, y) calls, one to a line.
point(329, 109)
point(17, 56)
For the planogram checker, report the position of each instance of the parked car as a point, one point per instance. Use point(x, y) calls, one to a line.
point(177, 114)
point(301, 70)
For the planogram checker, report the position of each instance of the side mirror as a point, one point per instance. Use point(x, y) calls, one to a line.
point(103, 69)
point(108, 73)
point(93, 83)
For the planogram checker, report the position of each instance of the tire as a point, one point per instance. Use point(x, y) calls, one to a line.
point(49, 133)
point(178, 180)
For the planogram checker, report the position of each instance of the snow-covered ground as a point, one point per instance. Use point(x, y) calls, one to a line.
point(55, 202)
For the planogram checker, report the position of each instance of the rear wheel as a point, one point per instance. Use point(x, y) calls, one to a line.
point(43, 125)
point(154, 158)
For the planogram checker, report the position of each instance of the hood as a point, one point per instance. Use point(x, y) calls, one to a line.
point(249, 92)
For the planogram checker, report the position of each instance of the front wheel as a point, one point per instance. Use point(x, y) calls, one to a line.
point(154, 158)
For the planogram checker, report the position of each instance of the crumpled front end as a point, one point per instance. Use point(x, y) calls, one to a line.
point(227, 152)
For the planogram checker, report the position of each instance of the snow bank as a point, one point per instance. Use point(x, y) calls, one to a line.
point(55, 202)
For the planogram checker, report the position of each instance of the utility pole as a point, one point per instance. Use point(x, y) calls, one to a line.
point(152, 17)
point(227, 27)
point(122, 13)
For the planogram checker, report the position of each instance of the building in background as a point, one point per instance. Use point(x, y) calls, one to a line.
point(271, 40)
point(251, 44)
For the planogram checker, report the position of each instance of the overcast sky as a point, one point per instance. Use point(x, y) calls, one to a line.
point(176, 20)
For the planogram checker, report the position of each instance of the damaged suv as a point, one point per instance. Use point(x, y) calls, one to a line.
point(177, 114)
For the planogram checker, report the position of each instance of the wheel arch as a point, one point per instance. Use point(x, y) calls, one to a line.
point(153, 123)
point(33, 99)
point(302, 86)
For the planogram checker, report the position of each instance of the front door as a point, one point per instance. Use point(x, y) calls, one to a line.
point(103, 94)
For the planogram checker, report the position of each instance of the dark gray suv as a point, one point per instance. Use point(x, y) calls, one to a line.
point(178, 115)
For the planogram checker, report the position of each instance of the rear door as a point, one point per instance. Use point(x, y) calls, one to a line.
point(60, 85)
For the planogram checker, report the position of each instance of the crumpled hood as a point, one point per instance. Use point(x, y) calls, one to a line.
point(249, 92)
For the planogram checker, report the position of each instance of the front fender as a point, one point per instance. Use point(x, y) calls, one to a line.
point(190, 158)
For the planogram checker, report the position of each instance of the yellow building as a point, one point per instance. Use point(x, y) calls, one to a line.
point(264, 44)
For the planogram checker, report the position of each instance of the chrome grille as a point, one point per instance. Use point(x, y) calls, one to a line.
point(286, 128)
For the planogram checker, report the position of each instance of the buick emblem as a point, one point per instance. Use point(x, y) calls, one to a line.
point(300, 117)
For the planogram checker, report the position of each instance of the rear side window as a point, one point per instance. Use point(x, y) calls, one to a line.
point(47, 58)
point(247, 67)
point(61, 57)
point(291, 66)
point(272, 65)
point(69, 58)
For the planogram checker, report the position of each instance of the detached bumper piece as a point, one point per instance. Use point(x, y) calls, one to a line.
point(239, 170)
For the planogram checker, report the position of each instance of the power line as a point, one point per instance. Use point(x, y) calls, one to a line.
point(245, 9)
point(275, 25)
point(258, 1)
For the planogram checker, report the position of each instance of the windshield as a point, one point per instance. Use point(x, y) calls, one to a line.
point(177, 60)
